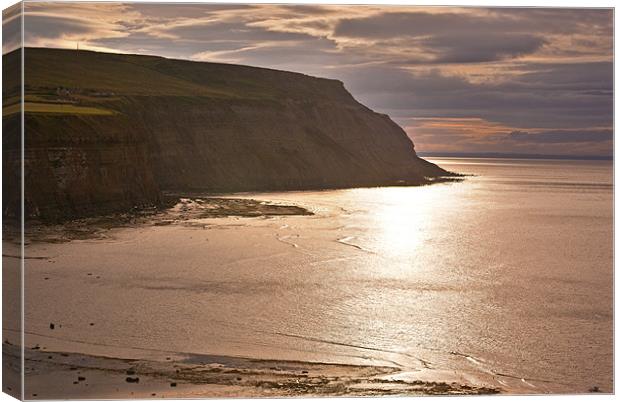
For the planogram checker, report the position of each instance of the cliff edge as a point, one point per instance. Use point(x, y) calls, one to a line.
point(107, 132)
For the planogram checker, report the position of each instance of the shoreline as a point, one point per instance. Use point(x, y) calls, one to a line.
point(170, 198)
point(179, 210)
point(55, 375)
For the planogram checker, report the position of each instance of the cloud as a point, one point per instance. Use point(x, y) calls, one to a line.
point(64, 24)
point(172, 12)
point(415, 23)
point(213, 31)
point(562, 136)
point(54, 27)
point(475, 47)
point(410, 24)
point(483, 35)
point(456, 78)
point(11, 28)
point(551, 96)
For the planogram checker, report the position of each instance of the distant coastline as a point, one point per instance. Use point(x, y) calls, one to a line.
point(513, 156)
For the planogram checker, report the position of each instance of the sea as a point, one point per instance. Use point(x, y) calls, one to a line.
point(504, 278)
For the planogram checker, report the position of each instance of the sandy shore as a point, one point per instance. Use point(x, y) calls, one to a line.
point(182, 210)
point(58, 375)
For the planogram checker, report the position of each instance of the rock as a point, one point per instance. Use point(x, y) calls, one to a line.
point(132, 379)
point(173, 384)
point(51, 326)
point(263, 130)
point(80, 378)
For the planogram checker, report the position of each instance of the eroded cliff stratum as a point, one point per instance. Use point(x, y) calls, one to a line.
point(107, 132)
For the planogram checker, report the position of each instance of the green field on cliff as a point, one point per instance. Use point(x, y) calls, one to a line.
point(60, 108)
point(151, 75)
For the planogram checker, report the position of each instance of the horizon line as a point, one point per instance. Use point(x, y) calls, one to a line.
point(504, 155)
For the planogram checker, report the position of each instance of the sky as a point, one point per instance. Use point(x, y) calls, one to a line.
point(471, 80)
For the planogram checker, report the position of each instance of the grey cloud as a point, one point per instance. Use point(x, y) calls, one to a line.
point(587, 77)
point(174, 11)
point(413, 24)
point(476, 38)
point(476, 48)
point(231, 31)
point(303, 9)
point(11, 28)
point(560, 20)
point(562, 136)
point(460, 48)
point(54, 27)
point(143, 43)
point(235, 38)
point(395, 24)
point(560, 101)
point(299, 56)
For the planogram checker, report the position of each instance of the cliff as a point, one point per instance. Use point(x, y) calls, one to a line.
point(107, 132)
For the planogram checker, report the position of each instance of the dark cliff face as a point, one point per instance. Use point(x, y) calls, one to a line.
point(108, 132)
point(81, 165)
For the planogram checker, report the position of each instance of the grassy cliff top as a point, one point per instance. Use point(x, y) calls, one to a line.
point(123, 74)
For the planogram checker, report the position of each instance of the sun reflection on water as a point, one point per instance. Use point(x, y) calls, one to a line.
point(403, 218)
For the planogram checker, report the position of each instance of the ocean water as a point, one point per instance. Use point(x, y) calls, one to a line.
point(505, 278)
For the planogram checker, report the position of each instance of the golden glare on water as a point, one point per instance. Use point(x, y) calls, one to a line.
point(401, 228)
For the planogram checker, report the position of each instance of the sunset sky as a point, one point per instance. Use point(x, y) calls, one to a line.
point(537, 81)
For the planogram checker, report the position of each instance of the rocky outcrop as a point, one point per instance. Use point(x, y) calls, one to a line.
point(107, 132)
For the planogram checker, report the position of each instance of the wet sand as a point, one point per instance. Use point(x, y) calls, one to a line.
point(182, 210)
point(59, 375)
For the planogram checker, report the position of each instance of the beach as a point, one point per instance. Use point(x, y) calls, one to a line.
point(498, 283)
point(58, 375)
